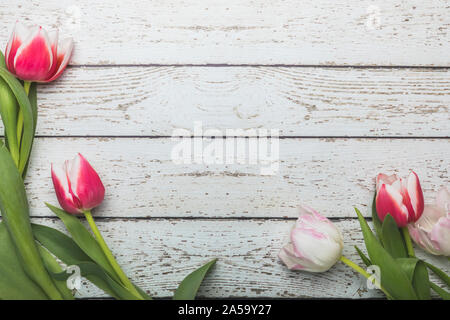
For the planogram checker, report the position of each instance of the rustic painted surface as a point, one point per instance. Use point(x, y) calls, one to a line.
point(351, 32)
point(141, 71)
point(160, 252)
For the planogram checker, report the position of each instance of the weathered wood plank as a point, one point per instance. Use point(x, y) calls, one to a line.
point(157, 254)
point(297, 101)
point(332, 175)
point(244, 32)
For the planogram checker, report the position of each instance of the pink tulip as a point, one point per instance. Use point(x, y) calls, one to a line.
point(77, 185)
point(402, 199)
point(315, 243)
point(432, 230)
point(34, 55)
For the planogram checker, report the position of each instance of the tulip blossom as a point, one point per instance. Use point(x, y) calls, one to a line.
point(315, 243)
point(402, 199)
point(77, 185)
point(34, 55)
point(432, 230)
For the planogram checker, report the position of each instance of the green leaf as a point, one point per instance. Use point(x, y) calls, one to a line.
point(8, 112)
point(376, 220)
point(84, 239)
point(441, 292)
point(32, 96)
point(70, 253)
point(53, 267)
point(421, 281)
point(392, 238)
point(441, 274)
point(15, 212)
point(418, 275)
point(2, 60)
point(25, 106)
point(187, 290)
point(14, 282)
point(393, 278)
point(364, 258)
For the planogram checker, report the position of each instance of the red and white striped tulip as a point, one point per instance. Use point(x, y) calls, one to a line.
point(315, 243)
point(77, 185)
point(432, 230)
point(34, 55)
point(402, 199)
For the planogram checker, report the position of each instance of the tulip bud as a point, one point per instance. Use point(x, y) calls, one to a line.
point(34, 55)
point(432, 230)
point(402, 199)
point(315, 243)
point(77, 185)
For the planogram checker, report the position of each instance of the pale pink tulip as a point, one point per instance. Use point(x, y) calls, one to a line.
point(432, 230)
point(315, 243)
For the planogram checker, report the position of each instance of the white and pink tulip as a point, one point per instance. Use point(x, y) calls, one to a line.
point(402, 199)
point(315, 243)
point(34, 55)
point(77, 185)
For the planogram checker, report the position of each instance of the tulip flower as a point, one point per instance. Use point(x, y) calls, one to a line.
point(432, 230)
point(79, 189)
point(402, 199)
point(77, 185)
point(35, 56)
point(315, 243)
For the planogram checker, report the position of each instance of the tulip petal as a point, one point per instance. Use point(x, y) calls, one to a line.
point(443, 200)
point(53, 39)
point(385, 179)
point(62, 189)
point(34, 58)
point(440, 235)
point(64, 53)
point(85, 183)
point(286, 255)
point(415, 195)
point(390, 201)
point(19, 35)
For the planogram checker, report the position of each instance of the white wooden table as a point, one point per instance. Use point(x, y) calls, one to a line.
point(355, 88)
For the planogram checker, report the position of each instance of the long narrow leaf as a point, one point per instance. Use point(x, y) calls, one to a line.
point(441, 274)
point(84, 239)
point(32, 96)
point(25, 107)
point(392, 238)
point(441, 292)
point(363, 257)
point(8, 113)
point(393, 278)
point(188, 288)
point(14, 282)
point(15, 212)
point(375, 220)
point(54, 267)
point(70, 253)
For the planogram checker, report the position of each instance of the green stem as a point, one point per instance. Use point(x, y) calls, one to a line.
point(408, 242)
point(360, 270)
point(125, 281)
point(26, 86)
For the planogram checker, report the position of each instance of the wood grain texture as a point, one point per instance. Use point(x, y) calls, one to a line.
point(310, 32)
point(158, 254)
point(332, 175)
point(153, 101)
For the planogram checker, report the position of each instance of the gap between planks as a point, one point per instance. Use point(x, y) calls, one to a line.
point(230, 65)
